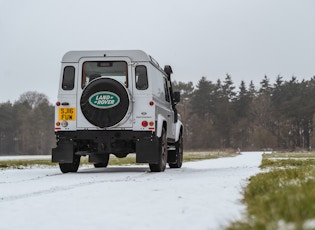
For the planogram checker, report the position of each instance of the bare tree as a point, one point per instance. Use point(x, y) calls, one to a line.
point(33, 98)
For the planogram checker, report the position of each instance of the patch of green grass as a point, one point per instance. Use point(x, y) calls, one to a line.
point(283, 197)
point(197, 156)
point(24, 163)
point(266, 162)
point(290, 155)
point(130, 159)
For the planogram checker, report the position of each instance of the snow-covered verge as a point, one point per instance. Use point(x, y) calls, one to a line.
point(200, 195)
point(25, 157)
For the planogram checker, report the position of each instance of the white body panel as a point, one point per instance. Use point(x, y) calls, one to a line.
point(152, 105)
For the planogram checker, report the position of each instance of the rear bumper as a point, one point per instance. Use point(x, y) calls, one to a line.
point(146, 143)
point(101, 136)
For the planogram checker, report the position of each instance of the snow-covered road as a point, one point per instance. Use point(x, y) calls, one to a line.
point(200, 195)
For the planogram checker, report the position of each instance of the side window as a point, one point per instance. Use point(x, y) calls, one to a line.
point(68, 78)
point(141, 77)
point(167, 93)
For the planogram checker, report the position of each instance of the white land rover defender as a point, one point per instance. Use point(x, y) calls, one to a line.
point(116, 102)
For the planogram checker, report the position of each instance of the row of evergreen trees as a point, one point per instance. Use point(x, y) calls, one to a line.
point(277, 116)
point(27, 125)
point(214, 114)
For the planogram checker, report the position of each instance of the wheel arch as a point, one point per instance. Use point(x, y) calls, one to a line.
point(161, 123)
point(179, 130)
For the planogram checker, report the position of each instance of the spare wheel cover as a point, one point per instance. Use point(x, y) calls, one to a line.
point(105, 102)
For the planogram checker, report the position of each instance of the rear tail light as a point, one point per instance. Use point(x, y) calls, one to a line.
point(144, 123)
point(150, 124)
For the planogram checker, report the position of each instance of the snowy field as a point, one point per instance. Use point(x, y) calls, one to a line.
point(200, 195)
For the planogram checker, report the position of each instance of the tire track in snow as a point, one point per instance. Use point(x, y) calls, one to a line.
point(31, 179)
point(76, 185)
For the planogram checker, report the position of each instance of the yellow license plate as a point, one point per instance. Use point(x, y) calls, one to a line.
point(66, 114)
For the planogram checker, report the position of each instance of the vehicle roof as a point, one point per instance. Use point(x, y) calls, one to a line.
point(134, 55)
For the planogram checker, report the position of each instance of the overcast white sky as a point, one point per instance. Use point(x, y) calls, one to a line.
point(245, 38)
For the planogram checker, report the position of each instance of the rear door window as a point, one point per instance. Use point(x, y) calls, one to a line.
point(117, 70)
point(68, 78)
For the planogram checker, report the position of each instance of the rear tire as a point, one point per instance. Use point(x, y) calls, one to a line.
point(179, 153)
point(160, 167)
point(102, 164)
point(70, 167)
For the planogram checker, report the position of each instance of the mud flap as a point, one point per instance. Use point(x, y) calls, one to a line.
point(64, 152)
point(148, 150)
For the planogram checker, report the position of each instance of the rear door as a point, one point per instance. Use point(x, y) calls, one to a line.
point(90, 69)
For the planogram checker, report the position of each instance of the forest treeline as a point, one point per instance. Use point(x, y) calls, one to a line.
point(215, 115)
point(27, 125)
point(275, 115)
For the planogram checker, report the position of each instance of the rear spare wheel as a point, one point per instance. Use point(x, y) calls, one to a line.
point(105, 102)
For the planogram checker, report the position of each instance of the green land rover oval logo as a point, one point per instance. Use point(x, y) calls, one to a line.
point(104, 100)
